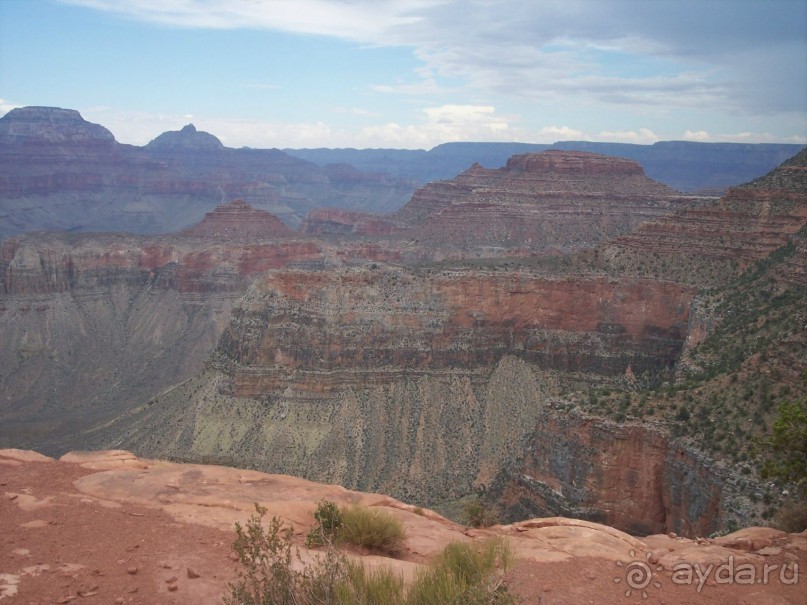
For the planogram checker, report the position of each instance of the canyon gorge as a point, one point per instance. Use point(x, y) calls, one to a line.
point(504, 334)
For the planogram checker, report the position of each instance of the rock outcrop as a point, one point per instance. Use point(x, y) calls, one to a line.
point(747, 224)
point(36, 126)
point(550, 200)
point(374, 362)
point(624, 475)
point(342, 375)
point(112, 526)
point(238, 220)
point(389, 319)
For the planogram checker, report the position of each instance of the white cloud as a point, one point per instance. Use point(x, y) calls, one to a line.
point(698, 135)
point(358, 20)
point(423, 88)
point(550, 134)
point(643, 136)
point(436, 125)
point(6, 106)
point(665, 55)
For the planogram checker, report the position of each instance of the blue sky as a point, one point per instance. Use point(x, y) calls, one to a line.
point(414, 73)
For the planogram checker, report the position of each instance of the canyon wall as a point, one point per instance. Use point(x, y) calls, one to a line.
point(628, 475)
point(418, 383)
point(93, 324)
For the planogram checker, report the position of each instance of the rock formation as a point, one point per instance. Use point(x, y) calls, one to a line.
point(747, 224)
point(707, 168)
point(550, 200)
point(187, 139)
point(409, 363)
point(122, 529)
point(93, 324)
point(58, 171)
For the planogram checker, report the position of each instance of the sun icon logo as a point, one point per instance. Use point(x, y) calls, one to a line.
point(638, 575)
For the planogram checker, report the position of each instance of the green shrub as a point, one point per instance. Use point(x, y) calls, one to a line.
point(785, 450)
point(792, 517)
point(371, 587)
point(373, 529)
point(267, 575)
point(465, 573)
point(272, 574)
point(477, 514)
point(328, 519)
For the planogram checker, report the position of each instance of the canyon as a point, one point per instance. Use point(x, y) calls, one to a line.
point(449, 347)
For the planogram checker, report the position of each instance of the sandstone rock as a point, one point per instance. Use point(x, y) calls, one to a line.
point(24, 456)
point(768, 551)
point(192, 574)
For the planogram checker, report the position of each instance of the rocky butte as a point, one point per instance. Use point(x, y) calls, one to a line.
point(554, 200)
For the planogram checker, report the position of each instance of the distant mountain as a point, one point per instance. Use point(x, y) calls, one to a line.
point(60, 172)
point(686, 166)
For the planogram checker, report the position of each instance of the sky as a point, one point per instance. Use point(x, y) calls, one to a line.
point(414, 73)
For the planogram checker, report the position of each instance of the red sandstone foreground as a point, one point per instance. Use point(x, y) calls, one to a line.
point(107, 527)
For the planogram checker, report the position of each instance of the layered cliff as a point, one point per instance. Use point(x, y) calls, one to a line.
point(92, 324)
point(422, 383)
point(629, 475)
point(428, 380)
point(747, 224)
point(550, 200)
point(387, 318)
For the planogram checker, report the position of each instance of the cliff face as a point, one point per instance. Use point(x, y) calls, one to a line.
point(311, 327)
point(52, 158)
point(94, 324)
point(549, 200)
point(415, 383)
point(426, 380)
point(747, 224)
point(626, 475)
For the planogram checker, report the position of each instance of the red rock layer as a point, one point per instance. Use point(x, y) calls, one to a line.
point(553, 199)
point(320, 329)
point(230, 246)
point(627, 476)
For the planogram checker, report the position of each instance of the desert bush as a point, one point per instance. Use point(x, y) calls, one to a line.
point(273, 573)
point(379, 586)
point(373, 529)
point(328, 519)
point(785, 450)
point(471, 574)
point(476, 514)
point(267, 575)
